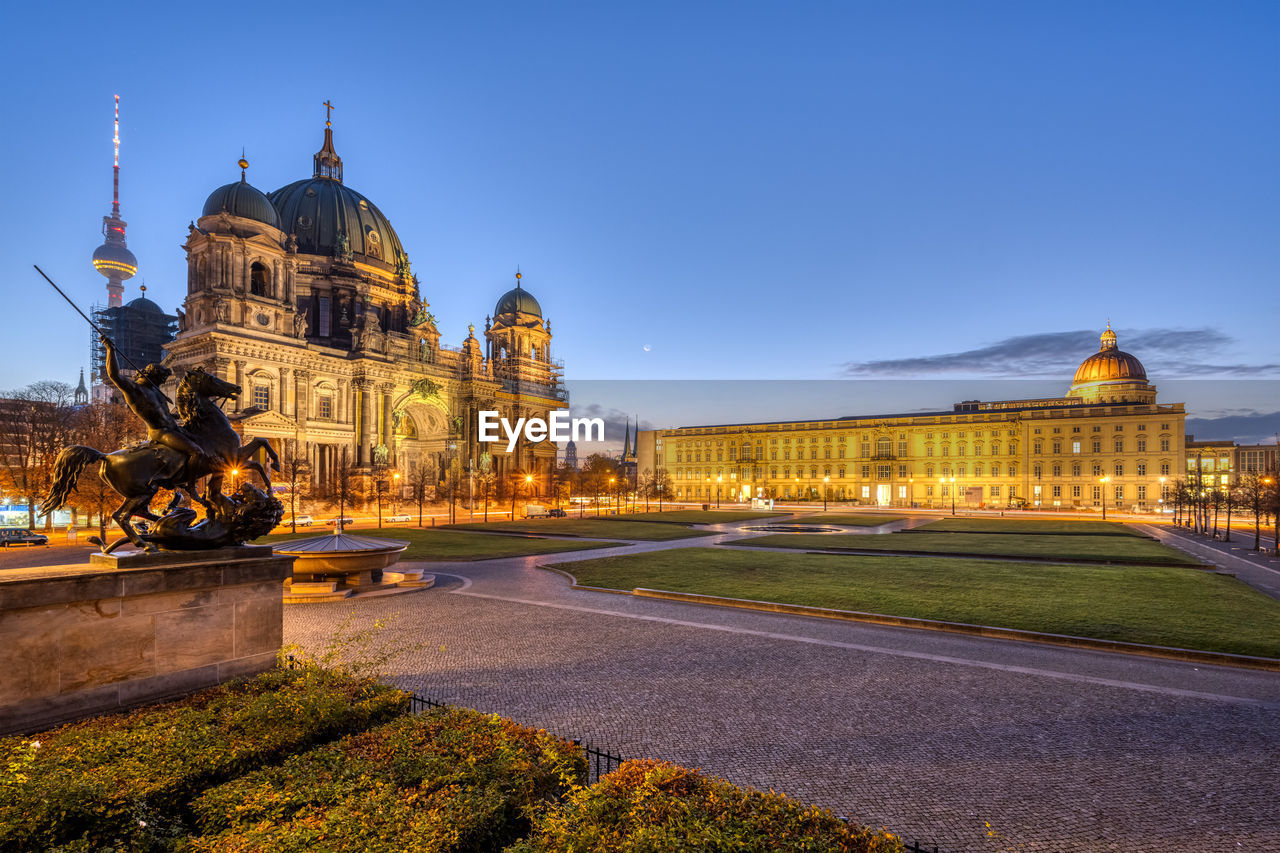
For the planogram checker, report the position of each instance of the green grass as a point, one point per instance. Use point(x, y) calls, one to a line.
point(697, 516)
point(1162, 606)
point(850, 520)
point(439, 545)
point(1028, 525)
point(590, 527)
point(1114, 549)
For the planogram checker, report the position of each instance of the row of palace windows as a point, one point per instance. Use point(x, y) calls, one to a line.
point(961, 450)
point(885, 472)
point(1119, 493)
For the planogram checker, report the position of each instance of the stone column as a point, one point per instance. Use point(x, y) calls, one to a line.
point(239, 380)
point(388, 425)
point(285, 389)
point(367, 423)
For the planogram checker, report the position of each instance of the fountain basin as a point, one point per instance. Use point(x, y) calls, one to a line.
point(340, 559)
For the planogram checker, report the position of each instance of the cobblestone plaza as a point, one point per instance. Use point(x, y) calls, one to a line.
point(932, 735)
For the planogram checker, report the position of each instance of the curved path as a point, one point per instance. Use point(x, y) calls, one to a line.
point(932, 735)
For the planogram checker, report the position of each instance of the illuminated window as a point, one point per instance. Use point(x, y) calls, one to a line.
point(325, 408)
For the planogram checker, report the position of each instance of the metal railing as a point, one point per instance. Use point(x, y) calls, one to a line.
point(599, 762)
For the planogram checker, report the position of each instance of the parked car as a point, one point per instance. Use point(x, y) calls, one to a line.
point(344, 521)
point(301, 521)
point(557, 513)
point(21, 536)
point(535, 511)
point(398, 519)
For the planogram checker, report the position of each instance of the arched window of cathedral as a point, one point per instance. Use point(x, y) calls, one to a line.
point(259, 280)
point(408, 429)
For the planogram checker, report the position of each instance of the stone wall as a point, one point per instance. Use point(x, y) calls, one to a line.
point(124, 630)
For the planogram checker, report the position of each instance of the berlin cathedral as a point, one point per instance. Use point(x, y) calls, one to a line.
point(304, 297)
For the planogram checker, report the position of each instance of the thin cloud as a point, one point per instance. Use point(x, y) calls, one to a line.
point(1168, 352)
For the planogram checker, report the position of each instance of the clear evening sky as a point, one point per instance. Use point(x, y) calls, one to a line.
point(736, 190)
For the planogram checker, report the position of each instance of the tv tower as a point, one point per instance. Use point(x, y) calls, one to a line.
point(113, 258)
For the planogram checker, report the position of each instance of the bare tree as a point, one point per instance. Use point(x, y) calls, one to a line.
point(343, 493)
point(35, 424)
point(293, 469)
point(420, 480)
point(107, 425)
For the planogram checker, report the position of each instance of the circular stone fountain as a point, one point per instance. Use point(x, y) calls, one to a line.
point(794, 528)
point(339, 565)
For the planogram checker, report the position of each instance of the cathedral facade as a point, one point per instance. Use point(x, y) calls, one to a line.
point(305, 298)
point(1106, 442)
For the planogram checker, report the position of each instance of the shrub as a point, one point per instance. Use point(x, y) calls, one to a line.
point(125, 780)
point(652, 806)
point(450, 780)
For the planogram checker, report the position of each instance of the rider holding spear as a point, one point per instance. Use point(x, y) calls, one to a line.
point(145, 399)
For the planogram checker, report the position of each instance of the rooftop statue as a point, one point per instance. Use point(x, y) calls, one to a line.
point(183, 446)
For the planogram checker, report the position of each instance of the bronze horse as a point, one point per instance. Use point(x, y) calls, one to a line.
point(138, 472)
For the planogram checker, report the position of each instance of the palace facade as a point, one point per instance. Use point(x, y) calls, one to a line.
point(305, 298)
point(1106, 441)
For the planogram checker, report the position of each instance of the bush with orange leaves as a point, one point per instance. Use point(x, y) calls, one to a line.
point(651, 806)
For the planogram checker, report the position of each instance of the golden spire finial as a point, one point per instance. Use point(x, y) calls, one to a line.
point(243, 163)
point(328, 108)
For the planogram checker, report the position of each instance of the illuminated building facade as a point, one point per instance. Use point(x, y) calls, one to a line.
point(304, 297)
point(1106, 441)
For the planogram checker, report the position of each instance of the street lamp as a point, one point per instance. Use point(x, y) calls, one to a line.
point(911, 492)
point(235, 472)
point(1104, 481)
point(612, 480)
point(719, 480)
point(826, 484)
point(942, 489)
point(953, 495)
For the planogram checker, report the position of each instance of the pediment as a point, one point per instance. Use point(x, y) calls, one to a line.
point(268, 420)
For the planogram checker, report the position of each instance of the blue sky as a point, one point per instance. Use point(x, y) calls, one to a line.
point(749, 190)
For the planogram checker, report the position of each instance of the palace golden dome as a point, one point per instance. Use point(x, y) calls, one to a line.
point(1110, 364)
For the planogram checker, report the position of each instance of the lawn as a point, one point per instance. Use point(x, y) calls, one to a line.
point(697, 516)
point(1114, 549)
point(850, 520)
point(1062, 526)
point(439, 545)
point(594, 528)
point(1161, 606)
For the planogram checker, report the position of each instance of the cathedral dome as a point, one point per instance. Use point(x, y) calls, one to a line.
point(517, 301)
point(1109, 364)
point(142, 303)
point(241, 199)
point(319, 211)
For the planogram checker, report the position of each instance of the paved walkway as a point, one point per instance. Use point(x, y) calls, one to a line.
point(1258, 571)
point(932, 735)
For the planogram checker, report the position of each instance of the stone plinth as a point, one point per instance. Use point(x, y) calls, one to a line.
point(132, 628)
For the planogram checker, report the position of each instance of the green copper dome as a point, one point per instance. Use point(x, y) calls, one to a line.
point(517, 301)
point(241, 199)
point(321, 211)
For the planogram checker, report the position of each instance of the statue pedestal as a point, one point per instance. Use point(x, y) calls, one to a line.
point(131, 627)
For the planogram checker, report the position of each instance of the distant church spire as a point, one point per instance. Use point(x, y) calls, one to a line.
point(81, 392)
point(328, 163)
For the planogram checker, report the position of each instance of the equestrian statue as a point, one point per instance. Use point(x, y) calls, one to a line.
point(183, 446)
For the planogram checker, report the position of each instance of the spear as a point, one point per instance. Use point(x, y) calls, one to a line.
point(92, 325)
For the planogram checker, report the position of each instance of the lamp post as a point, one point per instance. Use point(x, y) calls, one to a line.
point(612, 480)
point(942, 490)
point(1104, 481)
point(953, 496)
point(911, 492)
point(826, 484)
point(1160, 502)
point(719, 480)
point(235, 472)
point(797, 488)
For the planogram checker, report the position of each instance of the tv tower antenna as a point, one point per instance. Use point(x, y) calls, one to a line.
point(113, 258)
